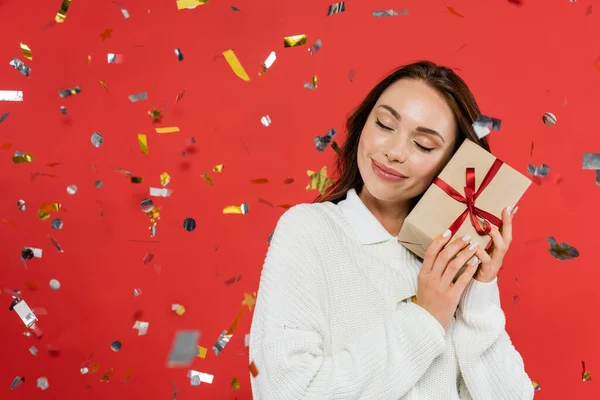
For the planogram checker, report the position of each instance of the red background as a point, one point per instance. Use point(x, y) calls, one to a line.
point(520, 61)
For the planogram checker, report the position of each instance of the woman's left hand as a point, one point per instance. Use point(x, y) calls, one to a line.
point(492, 261)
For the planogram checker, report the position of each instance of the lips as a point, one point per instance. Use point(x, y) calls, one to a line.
point(388, 170)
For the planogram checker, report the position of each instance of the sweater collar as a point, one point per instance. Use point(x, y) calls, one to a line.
point(366, 225)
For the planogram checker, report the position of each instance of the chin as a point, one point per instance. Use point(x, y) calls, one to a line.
point(386, 192)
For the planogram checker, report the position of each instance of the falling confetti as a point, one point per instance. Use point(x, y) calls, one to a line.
point(249, 300)
point(253, 370)
point(184, 348)
point(318, 180)
point(103, 84)
point(165, 179)
point(3, 117)
point(57, 224)
point(143, 142)
point(561, 251)
point(585, 375)
point(179, 54)
point(541, 170)
point(142, 327)
point(26, 51)
point(123, 10)
point(321, 142)
point(315, 47)
point(202, 352)
point(235, 65)
point(549, 119)
point(11, 95)
point(208, 179)
point(96, 139)
point(107, 375)
point(62, 11)
point(22, 158)
point(42, 383)
point(235, 383)
point(17, 382)
point(72, 189)
point(189, 224)
point(183, 4)
point(313, 85)
point(20, 66)
point(243, 209)
point(389, 13)
point(268, 63)
point(454, 12)
point(266, 120)
point(69, 92)
point(168, 129)
point(115, 346)
point(336, 8)
point(178, 308)
point(222, 341)
point(482, 125)
point(294, 41)
point(155, 114)
point(218, 168)
point(138, 96)
point(536, 386)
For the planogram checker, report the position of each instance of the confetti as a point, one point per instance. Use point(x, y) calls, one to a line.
point(168, 129)
point(138, 97)
point(114, 58)
point(11, 95)
point(197, 377)
point(160, 192)
point(20, 66)
point(106, 375)
point(202, 352)
point(259, 181)
point(253, 370)
point(336, 8)
point(26, 51)
point(268, 63)
point(182, 4)
point(143, 142)
point(315, 47)
point(222, 341)
point(235, 65)
point(313, 85)
point(318, 180)
point(148, 258)
point(536, 386)
point(23, 311)
point(136, 179)
point(189, 224)
point(561, 251)
point(62, 11)
point(179, 97)
point(218, 168)
point(142, 327)
point(266, 120)
point(179, 54)
point(184, 348)
point(63, 110)
point(21, 205)
point(243, 209)
point(3, 117)
point(235, 383)
point(123, 10)
point(294, 41)
point(482, 124)
point(549, 119)
point(96, 139)
point(233, 280)
point(69, 92)
point(106, 34)
point(137, 292)
point(541, 170)
point(321, 142)
point(22, 158)
point(335, 147)
point(115, 346)
point(33, 351)
point(234, 8)
point(208, 179)
point(591, 161)
point(17, 382)
point(98, 184)
point(128, 375)
point(454, 12)
point(585, 375)
point(72, 189)
point(155, 114)
point(54, 243)
point(249, 300)
point(42, 383)
point(178, 308)
point(103, 84)
point(57, 224)
point(389, 13)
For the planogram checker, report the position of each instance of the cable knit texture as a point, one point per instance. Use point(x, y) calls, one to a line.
point(332, 321)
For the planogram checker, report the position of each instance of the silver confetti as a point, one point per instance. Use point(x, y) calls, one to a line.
point(33, 350)
point(315, 47)
point(16, 382)
point(541, 170)
point(21, 205)
point(141, 326)
point(11, 95)
point(591, 161)
point(98, 184)
point(42, 383)
point(137, 292)
point(116, 346)
point(179, 54)
point(160, 192)
point(69, 92)
point(3, 116)
point(63, 110)
point(138, 97)
point(245, 208)
point(336, 8)
point(57, 224)
point(54, 284)
point(96, 139)
point(147, 205)
point(114, 58)
point(598, 177)
point(482, 124)
point(184, 348)
point(23, 311)
point(268, 63)
point(189, 224)
point(266, 120)
point(389, 13)
point(549, 119)
point(197, 377)
point(221, 342)
point(20, 66)
point(321, 142)
point(72, 189)
point(123, 10)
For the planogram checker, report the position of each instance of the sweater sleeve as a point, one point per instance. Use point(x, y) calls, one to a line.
point(287, 340)
point(490, 365)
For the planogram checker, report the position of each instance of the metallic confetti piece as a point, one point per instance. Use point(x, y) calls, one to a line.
point(218, 168)
point(103, 84)
point(160, 192)
point(106, 375)
point(202, 352)
point(222, 341)
point(136, 179)
point(242, 209)
point(155, 114)
point(54, 284)
point(549, 119)
point(17, 382)
point(207, 178)
point(321, 142)
point(184, 348)
point(315, 47)
point(3, 117)
point(536, 386)
point(72, 189)
point(11, 95)
point(197, 377)
point(178, 308)
point(138, 96)
point(57, 224)
point(63, 110)
point(259, 181)
point(482, 125)
point(69, 92)
point(266, 120)
point(22, 158)
point(313, 85)
point(123, 10)
point(141, 326)
point(147, 205)
point(179, 54)
point(294, 41)
point(182, 4)
point(167, 129)
point(233, 280)
point(235, 65)
point(33, 351)
point(249, 300)
point(116, 346)
point(137, 292)
point(23, 311)
point(541, 170)
point(253, 370)
point(318, 180)
point(336, 8)
point(154, 214)
point(143, 142)
point(268, 63)
point(98, 184)
point(153, 230)
point(114, 58)
point(96, 139)
point(179, 97)
point(335, 147)
point(561, 251)
point(388, 13)
point(591, 161)
point(234, 8)
point(26, 51)
point(42, 383)
point(165, 179)
point(189, 224)
point(148, 258)
point(235, 383)
point(62, 11)
point(454, 12)
point(585, 375)
point(55, 243)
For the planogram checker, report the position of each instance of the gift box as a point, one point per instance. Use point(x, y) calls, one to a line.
point(472, 187)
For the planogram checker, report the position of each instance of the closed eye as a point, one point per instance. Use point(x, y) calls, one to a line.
point(387, 128)
point(425, 149)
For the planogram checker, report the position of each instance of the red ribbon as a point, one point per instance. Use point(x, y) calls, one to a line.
point(470, 197)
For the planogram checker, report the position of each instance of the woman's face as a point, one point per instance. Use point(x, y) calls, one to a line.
point(410, 132)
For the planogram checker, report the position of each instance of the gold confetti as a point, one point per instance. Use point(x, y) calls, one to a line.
point(235, 65)
point(535, 385)
point(183, 4)
point(207, 179)
point(249, 300)
point(243, 209)
point(51, 207)
point(218, 168)
point(155, 114)
point(293, 41)
point(454, 12)
point(165, 179)
point(136, 179)
point(26, 51)
point(88, 59)
point(318, 180)
point(62, 11)
point(143, 142)
point(202, 352)
point(253, 370)
point(23, 158)
point(178, 308)
point(259, 181)
point(103, 84)
point(235, 383)
point(168, 129)
point(154, 214)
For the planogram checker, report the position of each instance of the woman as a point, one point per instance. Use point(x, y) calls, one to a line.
point(334, 317)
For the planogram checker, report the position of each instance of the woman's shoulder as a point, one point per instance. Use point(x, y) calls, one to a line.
point(309, 217)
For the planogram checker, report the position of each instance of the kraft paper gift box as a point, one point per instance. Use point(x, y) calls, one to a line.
point(458, 201)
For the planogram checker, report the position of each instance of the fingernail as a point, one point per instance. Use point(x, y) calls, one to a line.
point(447, 233)
point(475, 261)
point(516, 209)
point(473, 245)
point(466, 238)
point(508, 209)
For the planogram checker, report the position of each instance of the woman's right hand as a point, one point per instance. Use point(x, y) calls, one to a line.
point(436, 291)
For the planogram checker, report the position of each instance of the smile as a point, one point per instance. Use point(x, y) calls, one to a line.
point(386, 173)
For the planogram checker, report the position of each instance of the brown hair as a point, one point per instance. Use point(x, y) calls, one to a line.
point(449, 85)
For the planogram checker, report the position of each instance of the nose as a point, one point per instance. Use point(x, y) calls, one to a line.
point(396, 149)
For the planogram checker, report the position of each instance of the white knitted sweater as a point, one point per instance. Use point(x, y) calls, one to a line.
point(332, 321)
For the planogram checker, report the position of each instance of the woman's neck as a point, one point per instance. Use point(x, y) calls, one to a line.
point(390, 215)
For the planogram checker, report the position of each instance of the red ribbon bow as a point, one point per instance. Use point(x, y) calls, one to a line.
point(470, 197)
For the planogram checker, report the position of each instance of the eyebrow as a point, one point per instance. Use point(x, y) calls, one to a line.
point(418, 129)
